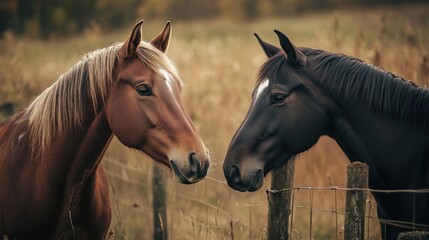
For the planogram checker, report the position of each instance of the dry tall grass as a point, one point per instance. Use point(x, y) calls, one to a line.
point(219, 61)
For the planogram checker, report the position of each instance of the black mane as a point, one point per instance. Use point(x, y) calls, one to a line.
point(351, 78)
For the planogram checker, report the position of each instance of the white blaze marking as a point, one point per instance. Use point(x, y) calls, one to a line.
point(261, 87)
point(168, 79)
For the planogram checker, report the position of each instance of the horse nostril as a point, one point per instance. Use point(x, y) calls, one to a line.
point(194, 164)
point(235, 175)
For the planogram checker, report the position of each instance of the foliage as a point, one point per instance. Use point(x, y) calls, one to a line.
point(49, 18)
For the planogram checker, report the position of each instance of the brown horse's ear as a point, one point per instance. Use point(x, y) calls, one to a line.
point(269, 49)
point(294, 56)
point(163, 39)
point(131, 44)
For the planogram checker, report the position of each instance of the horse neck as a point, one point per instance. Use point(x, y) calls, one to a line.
point(378, 140)
point(71, 169)
point(93, 145)
point(81, 150)
point(370, 113)
point(67, 167)
point(350, 124)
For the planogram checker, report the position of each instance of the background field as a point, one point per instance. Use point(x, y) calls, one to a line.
point(218, 61)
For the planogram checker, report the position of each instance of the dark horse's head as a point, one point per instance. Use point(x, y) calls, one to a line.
point(287, 116)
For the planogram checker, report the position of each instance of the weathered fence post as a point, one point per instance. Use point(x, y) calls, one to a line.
point(357, 177)
point(159, 195)
point(279, 202)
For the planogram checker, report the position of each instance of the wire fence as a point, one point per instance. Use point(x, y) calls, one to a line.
point(369, 216)
point(337, 210)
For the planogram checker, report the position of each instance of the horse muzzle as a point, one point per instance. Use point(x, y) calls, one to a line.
point(244, 181)
point(192, 170)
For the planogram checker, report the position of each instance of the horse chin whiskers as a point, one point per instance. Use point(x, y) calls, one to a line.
point(178, 173)
point(257, 181)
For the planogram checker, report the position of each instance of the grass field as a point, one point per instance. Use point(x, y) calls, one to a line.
point(218, 61)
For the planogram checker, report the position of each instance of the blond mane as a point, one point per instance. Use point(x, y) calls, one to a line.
point(62, 107)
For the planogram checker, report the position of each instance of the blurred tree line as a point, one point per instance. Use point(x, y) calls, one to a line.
point(64, 17)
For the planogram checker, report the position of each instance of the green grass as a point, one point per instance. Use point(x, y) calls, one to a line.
point(218, 61)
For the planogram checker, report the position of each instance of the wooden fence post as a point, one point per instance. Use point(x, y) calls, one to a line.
point(159, 195)
point(357, 177)
point(279, 202)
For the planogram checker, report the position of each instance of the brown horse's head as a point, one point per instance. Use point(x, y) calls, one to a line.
point(145, 111)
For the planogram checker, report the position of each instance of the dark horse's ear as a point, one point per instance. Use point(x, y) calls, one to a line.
point(131, 44)
point(269, 49)
point(163, 39)
point(294, 56)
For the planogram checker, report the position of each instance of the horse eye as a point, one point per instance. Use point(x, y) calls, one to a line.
point(144, 90)
point(279, 98)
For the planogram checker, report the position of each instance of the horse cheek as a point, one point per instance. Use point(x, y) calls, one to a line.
point(123, 123)
point(302, 128)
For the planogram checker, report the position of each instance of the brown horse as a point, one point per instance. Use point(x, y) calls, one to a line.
point(52, 185)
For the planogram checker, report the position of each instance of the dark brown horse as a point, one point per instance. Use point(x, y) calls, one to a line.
point(375, 117)
point(52, 185)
